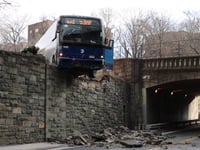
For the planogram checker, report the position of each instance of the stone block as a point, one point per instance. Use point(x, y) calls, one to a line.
point(1, 60)
point(17, 110)
point(41, 125)
point(9, 121)
point(2, 121)
point(12, 59)
point(33, 78)
point(12, 71)
point(27, 123)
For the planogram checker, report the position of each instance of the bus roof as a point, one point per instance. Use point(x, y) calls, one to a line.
point(77, 16)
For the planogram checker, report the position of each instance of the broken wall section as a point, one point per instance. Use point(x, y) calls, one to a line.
point(83, 104)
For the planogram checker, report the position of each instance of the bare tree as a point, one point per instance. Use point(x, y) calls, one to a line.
point(123, 48)
point(107, 16)
point(131, 35)
point(158, 25)
point(11, 32)
point(192, 22)
point(192, 27)
point(4, 3)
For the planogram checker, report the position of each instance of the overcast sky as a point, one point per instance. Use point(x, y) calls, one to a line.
point(37, 8)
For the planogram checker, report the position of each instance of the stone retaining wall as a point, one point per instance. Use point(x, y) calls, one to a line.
point(83, 104)
point(39, 101)
point(21, 98)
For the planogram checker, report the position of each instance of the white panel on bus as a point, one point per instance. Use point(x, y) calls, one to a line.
point(47, 47)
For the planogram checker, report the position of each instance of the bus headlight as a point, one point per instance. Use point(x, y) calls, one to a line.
point(61, 54)
point(101, 57)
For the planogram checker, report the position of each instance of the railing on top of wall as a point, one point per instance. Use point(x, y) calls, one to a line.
point(190, 62)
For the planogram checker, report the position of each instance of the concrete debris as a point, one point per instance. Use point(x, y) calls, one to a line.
point(100, 74)
point(167, 143)
point(131, 143)
point(77, 139)
point(115, 137)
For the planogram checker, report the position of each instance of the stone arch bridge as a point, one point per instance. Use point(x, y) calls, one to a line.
point(169, 88)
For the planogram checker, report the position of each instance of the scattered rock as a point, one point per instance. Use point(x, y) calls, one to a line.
point(98, 137)
point(194, 145)
point(167, 143)
point(165, 147)
point(131, 143)
point(155, 142)
point(111, 137)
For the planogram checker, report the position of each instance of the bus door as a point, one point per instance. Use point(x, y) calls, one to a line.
point(108, 55)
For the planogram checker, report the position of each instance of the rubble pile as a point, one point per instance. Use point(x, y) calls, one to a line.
point(117, 137)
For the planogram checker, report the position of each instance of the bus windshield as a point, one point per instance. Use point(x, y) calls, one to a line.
point(75, 31)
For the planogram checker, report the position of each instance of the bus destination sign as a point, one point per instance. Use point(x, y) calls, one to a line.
point(85, 22)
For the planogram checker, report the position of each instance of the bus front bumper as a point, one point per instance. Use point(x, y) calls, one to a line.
point(93, 64)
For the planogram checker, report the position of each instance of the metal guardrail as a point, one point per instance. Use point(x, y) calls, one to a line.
point(176, 124)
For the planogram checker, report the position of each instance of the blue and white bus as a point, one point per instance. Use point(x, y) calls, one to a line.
point(77, 42)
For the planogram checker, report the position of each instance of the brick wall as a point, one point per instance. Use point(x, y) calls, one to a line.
point(128, 69)
point(123, 68)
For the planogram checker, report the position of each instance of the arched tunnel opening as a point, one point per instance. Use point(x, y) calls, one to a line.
point(173, 102)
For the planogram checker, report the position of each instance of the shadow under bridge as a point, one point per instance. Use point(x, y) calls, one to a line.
point(173, 102)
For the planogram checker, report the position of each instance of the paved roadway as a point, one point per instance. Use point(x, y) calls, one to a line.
point(182, 140)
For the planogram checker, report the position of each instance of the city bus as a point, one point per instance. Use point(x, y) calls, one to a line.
point(78, 43)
